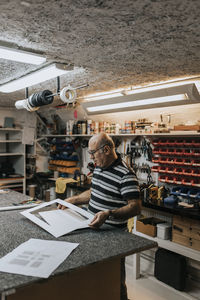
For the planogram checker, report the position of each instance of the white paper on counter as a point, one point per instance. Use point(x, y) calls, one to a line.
point(59, 222)
point(36, 257)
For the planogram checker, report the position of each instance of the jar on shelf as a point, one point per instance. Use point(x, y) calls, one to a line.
point(96, 129)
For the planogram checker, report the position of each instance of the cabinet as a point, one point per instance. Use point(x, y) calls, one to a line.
point(186, 232)
point(12, 159)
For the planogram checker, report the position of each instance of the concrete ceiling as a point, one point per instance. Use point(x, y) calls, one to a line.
point(116, 43)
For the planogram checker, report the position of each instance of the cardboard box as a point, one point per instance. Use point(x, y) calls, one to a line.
point(148, 225)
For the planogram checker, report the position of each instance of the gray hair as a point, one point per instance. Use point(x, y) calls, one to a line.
point(106, 140)
point(102, 139)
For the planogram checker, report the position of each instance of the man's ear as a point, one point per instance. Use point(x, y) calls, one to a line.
point(106, 149)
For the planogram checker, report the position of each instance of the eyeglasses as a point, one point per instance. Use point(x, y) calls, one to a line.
point(92, 152)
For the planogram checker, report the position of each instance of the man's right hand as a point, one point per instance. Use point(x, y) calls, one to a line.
point(71, 200)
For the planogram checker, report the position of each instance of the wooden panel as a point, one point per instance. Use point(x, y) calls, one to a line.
point(186, 221)
point(195, 224)
point(190, 232)
point(181, 220)
point(186, 241)
point(195, 233)
point(100, 281)
point(65, 163)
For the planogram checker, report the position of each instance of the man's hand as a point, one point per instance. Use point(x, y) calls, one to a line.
point(99, 219)
point(69, 200)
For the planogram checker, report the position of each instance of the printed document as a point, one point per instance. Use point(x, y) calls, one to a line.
point(36, 257)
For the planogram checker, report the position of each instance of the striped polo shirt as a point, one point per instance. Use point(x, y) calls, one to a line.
point(111, 188)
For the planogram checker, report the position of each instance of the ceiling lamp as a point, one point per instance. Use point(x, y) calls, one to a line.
point(36, 77)
point(21, 56)
point(166, 97)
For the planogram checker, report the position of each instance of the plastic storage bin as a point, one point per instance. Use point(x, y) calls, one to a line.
point(164, 231)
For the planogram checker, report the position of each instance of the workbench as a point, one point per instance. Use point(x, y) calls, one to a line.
point(92, 271)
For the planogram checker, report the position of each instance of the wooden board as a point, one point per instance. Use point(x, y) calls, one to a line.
point(99, 281)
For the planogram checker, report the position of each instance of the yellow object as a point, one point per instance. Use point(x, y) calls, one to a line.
point(61, 184)
point(153, 192)
point(130, 224)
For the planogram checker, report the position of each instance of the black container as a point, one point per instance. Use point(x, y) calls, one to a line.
point(170, 268)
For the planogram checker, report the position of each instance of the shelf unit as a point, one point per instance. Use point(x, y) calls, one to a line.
point(12, 154)
point(174, 247)
point(62, 156)
point(173, 133)
point(166, 244)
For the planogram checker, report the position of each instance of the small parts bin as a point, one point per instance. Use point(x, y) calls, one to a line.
point(155, 169)
point(196, 162)
point(179, 161)
point(164, 231)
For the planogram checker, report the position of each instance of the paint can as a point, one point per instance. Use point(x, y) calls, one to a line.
point(32, 188)
point(47, 195)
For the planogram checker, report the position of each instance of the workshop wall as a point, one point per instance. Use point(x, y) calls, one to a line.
point(21, 118)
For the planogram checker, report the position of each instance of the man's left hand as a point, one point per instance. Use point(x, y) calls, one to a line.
point(99, 219)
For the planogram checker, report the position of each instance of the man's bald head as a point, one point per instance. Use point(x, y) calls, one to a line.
point(102, 139)
point(102, 150)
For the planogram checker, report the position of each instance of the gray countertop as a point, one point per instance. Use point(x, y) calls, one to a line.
point(94, 245)
point(12, 197)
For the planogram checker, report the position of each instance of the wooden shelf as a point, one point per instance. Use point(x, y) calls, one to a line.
point(11, 154)
point(13, 151)
point(12, 186)
point(10, 180)
point(10, 129)
point(10, 141)
point(177, 248)
point(173, 133)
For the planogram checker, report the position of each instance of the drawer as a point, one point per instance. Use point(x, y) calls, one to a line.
point(181, 220)
point(186, 231)
point(186, 241)
point(195, 224)
point(186, 222)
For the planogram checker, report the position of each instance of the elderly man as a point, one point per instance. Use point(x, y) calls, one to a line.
point(114, 194)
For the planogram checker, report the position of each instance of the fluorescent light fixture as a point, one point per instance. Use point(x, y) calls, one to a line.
point(21, 56)
point(35, 77)
point(132, 104)
point(97, 96)
point(140, 88)
point(166, 97)
point(107, 96)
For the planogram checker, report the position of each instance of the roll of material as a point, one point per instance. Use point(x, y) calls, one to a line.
point(23, 104)
point(35, 101)
point(42, 98)
point(68, 94)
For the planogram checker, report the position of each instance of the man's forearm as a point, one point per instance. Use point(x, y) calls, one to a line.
point(132, 209)
point(82, 198)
